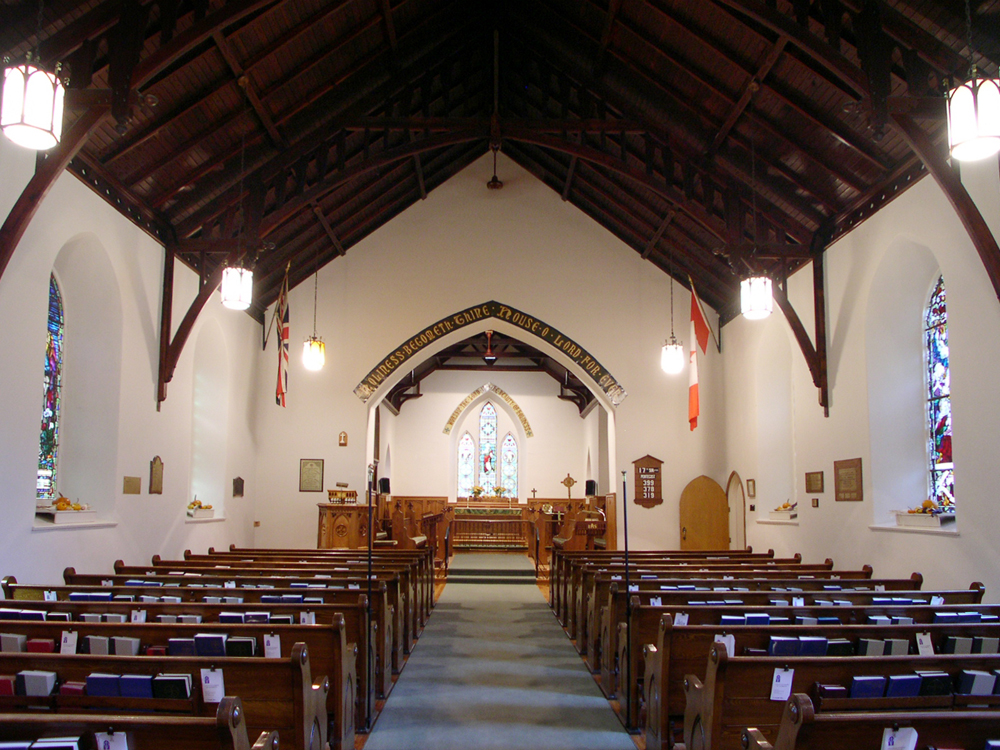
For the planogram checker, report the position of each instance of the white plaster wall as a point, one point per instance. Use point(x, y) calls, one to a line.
point(146, 525)
point(921, 217)
point(465, 245)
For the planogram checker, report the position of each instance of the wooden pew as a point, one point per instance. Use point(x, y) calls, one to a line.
point(803, 728)
point(735, 693)
point(419, 558)
point(594, 594)
point(329, 652)
point(601, 641)
point(683, 650)
point(277, 694)
point(562, 562)
point(585, 531)
point(226, 731)
point(406, 529)
point(388, 643)
point(400, 599)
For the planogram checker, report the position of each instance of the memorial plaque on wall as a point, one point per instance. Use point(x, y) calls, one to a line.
point(648, 482)
point(847, 480)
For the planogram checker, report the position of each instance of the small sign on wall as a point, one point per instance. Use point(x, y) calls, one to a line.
point(156, 476)
point(648, 481)
point(132, 486)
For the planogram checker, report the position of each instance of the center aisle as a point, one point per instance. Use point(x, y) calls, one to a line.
point(494, 670)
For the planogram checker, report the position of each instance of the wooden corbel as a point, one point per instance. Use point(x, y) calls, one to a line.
point(815, 355)
point(170, 349)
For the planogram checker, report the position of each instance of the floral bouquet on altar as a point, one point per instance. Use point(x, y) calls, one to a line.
point(477, 491)
point(499, 490)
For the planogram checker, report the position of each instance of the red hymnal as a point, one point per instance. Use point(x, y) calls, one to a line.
point(73, 688)
point(41, 645)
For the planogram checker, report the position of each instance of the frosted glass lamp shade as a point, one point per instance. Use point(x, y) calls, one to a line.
point(313, 353)
point(672, 356)
point(756, 301)
point(32, 111)
point(974, 118)
point(237, 287)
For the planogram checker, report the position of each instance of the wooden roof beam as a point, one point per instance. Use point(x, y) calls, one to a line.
point(968, 213)
point(609, 24)
point(749, 89)
point(243, 79)
point(321, 217)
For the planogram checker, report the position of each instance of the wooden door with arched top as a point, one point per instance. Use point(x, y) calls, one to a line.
point(704, 516)
point(737, 512)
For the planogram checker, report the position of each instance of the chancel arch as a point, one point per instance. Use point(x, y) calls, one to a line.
point(565, 375)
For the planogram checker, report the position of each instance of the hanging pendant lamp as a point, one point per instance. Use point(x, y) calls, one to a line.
point(756, 301)
point(32, 112)
point(237, 279)
point(974, 111)
point(672, 353)
point(313, 348)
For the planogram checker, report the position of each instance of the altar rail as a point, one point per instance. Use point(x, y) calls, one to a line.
point(487, 533)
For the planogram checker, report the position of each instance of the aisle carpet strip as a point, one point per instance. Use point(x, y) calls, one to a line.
point(494, 671)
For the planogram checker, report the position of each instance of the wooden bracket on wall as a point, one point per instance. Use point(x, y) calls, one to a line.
point(170, 349)
point(815, 355)
point(950, 183)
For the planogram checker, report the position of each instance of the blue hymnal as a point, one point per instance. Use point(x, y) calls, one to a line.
point(812, 645)
point(100, 596)
point(758, 618)
point(968, 617)
point(136, 685)
point(903, 686)
point(181, 647)
point(210, 644)
point(32, 614)
point(781, 645)
point(868, 686)
point(103, 685)
point(829, 620)
point(732, 620)
point(293, 598)
point(778, 620)
point(232, 617)
point(270, 599)
point(298, 585)
point(949, 618)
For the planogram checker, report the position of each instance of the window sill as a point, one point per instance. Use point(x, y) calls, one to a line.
point(891, 527)
point(213, 519)
point(777, 522)
point(50, 526)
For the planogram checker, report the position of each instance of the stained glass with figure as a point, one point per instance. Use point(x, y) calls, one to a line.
point(508, 465)
point(488, 447)
point(942, 468)
point(466, 465)
point(48, 447)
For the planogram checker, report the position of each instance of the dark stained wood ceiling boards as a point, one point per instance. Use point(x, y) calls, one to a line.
point(712, 136)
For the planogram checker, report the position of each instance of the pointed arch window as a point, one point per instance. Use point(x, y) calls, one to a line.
point(508, 465)
point(48, 446)
point(466, 465)
point(488, 447)
point(941, 465)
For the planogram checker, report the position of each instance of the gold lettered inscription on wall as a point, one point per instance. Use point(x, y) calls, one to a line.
point(397, 358)
point(156, 476)
point(847, 479)
point(648, 481)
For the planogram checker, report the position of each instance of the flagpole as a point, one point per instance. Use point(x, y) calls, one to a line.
point(368, 659)
point(628, 612)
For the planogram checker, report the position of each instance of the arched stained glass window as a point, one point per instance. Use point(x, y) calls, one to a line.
point(488, 447)
point(942, 468)
point(508, 465)
point(48, 447)
point(466, 465)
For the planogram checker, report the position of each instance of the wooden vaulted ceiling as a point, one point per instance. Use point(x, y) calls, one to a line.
point(711, 136)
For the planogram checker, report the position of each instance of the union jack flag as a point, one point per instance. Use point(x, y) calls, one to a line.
point(282, 315)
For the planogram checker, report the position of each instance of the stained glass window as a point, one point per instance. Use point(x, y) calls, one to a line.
point(48, 447)
point(942, 468)
point(488, 448)
point(466, 465)
point(508, 465)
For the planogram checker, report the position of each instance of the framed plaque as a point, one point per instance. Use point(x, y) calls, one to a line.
point(847, 480)
point(156, 476)
point(751, 488)
point(648, 481)
point(310, 475)
point(814, 481)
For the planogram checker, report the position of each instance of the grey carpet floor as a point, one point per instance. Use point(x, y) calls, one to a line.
point(494, 671)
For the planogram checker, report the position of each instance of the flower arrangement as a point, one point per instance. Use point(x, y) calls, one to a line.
point(499, 490)
point(477, 491)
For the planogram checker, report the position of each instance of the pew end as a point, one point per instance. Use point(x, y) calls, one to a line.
point(868, 570)
point(752, 739)
point(266, 741)
point(980, 590)
point(918, 580)
point(68, 574)
point(7, 583)
point(119, 564)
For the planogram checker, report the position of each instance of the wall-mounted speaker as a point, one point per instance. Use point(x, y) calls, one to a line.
point(591, 487)
point(383, 486)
